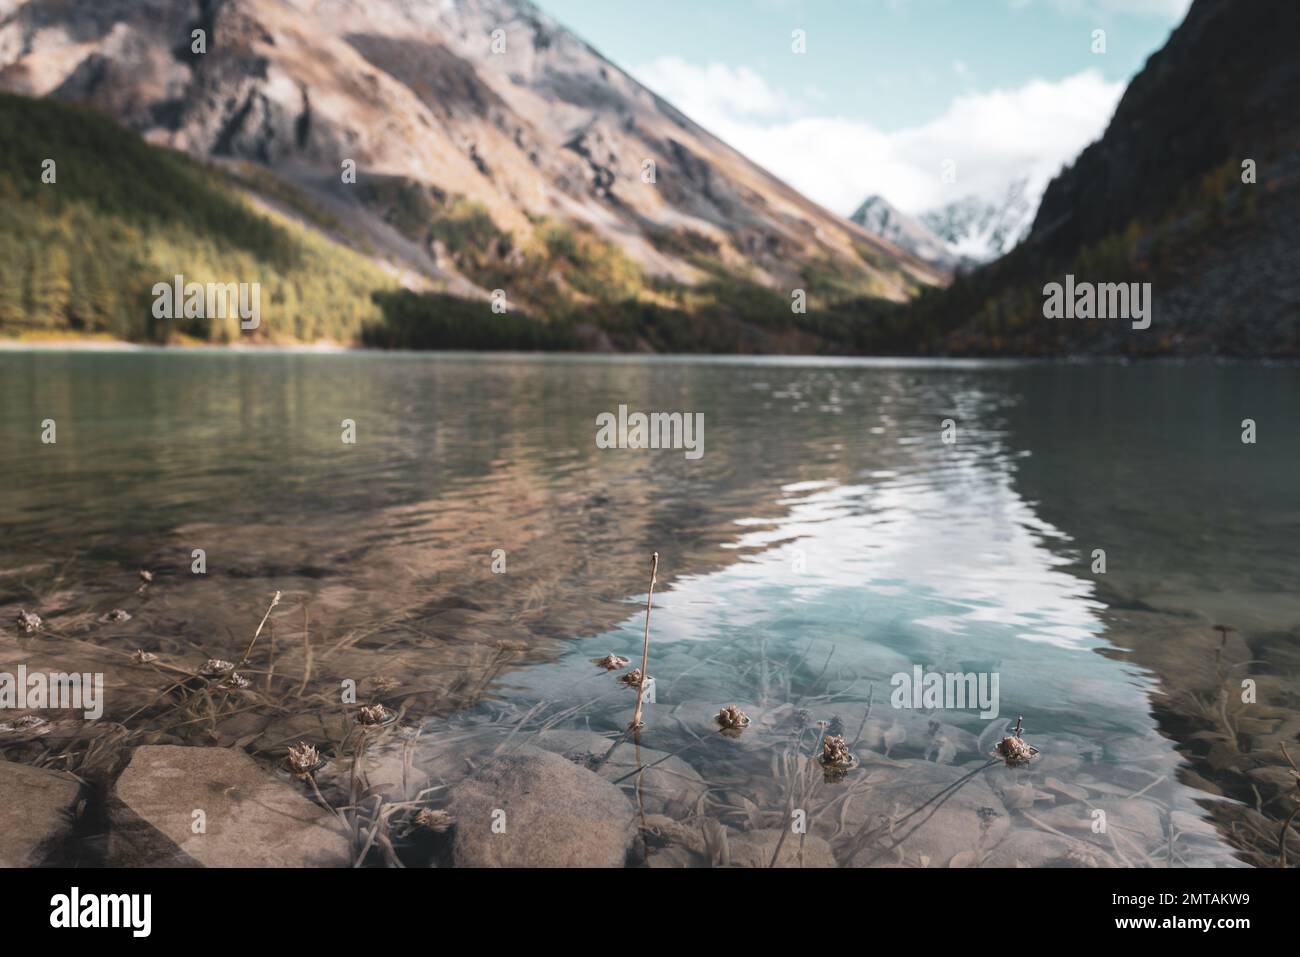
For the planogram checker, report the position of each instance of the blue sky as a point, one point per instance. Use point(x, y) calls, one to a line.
point(888, 90)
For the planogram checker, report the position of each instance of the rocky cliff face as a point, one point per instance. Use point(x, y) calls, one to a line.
point(1194, 188)
point(1223, 88)
point(490, 100)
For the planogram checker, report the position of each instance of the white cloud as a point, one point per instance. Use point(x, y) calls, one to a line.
point(1167, 9)
point(994, 137)
point(716, 89)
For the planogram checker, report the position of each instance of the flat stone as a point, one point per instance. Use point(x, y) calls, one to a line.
point(253, 818)
point(673, 857)
point(35, 812)
point(1039, 849)
point(662, 831)
point(534, 808)
point(667, 785)
point(756, 848)
point(971, 818)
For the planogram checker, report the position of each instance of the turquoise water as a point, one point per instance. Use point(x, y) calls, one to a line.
point(826, 540)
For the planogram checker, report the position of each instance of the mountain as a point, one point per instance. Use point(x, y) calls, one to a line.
point(976, 231)
point(959, 236)
point(493, 150)
point(81, 253)
point(1194, 188)
point(879, 217)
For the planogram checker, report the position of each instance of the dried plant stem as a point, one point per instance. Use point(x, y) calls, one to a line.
point(1282, 836)
point(1286, 825)
point(645, 647)
point(275, 600)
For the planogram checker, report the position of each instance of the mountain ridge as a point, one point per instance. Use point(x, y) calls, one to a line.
point(529, 123)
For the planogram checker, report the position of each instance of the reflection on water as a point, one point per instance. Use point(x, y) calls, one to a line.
point(474, 551)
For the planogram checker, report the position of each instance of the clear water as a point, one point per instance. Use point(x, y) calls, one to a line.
point(827, 540)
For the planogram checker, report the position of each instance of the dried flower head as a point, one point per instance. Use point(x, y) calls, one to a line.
point(835, 753)
point(236, 680)
point(117, 615)
point(29, 723)
point(142, 657)
point(632, 679)
point(732, 718)
point(28, 621)
point(375, 714)
point(303, 758)
point(1014, 750)
point(612, 662)
point(431, 820)
point(215, 667)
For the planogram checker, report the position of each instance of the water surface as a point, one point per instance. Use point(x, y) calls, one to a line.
point(472, 553)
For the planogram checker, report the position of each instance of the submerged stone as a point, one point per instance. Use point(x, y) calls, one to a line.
point(657, 782)
point(757, 849)
point(1040, 849)
point(968, 817)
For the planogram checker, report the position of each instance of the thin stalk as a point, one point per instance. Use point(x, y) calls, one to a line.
point(275, 600)
point(645, 647)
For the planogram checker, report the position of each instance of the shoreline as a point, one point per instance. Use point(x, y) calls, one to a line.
point(701, 358)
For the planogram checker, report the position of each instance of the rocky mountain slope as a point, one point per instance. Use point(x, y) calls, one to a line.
point(479, 130)
point(1223, 88)
point(1194, 188)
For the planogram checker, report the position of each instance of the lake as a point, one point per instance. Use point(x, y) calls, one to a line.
point(1097, 539)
